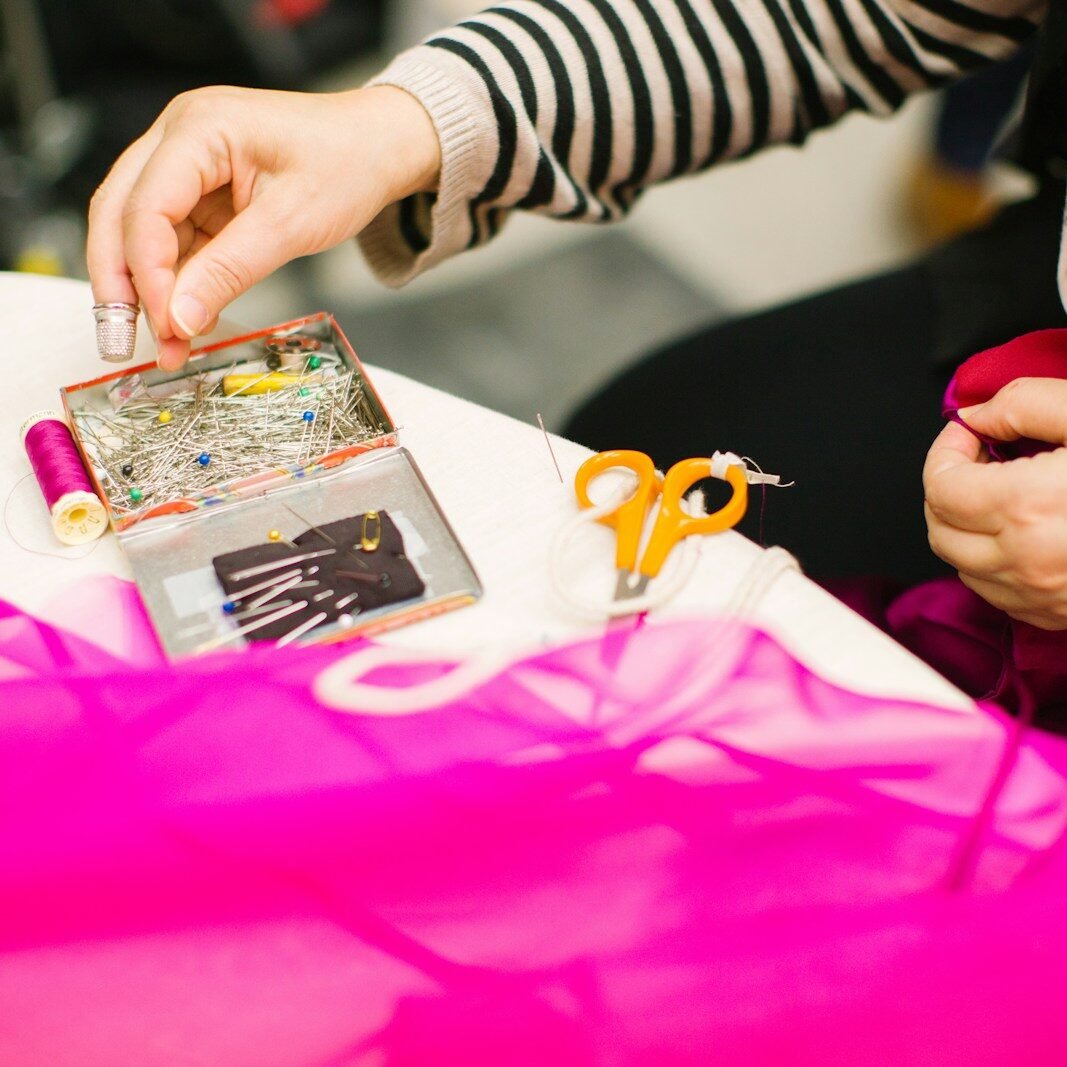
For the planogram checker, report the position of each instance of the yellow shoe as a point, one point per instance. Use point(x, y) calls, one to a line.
point(37, 259)
point(941, 202)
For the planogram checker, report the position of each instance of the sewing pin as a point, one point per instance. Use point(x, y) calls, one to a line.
point(251, 613)
point(311, 525)
point(277, 590)
point(260, 586)
point(224, 639)
point(322, 533)
point(548, 441)
point(382, 579)
point(263, 568)
point(276, 536)
point(303, 628)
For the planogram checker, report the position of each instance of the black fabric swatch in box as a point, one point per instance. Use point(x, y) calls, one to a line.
point(379, 578)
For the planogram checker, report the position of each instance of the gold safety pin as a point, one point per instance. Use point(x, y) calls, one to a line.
point(370, 542)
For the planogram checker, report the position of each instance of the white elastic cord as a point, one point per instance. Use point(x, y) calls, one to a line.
point(722, 461)
point(755, 584)
point(341, 685)
point(678, 571)
point(770, 565)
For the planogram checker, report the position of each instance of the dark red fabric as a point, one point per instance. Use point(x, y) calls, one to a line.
point(979, 648)
point(1042, 354)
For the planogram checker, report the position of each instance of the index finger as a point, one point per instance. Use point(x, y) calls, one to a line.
point(105, 249)
point(961, 491)
point(174, 179)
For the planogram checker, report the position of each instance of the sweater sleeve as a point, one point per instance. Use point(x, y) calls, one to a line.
point(570, 108)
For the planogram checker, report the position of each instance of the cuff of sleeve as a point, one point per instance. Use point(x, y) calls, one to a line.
point(459, 106)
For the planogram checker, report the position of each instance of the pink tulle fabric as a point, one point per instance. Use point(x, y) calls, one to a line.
point(982, 650)
point(670, 845)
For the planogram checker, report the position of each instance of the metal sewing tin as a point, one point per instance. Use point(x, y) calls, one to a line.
point(170, 546)
point(223, 354)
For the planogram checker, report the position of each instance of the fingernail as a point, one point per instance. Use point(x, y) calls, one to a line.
point(966, 413)
point(189, 314)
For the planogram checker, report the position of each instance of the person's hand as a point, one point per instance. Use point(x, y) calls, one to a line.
point(229, 184)
point(1003, 526)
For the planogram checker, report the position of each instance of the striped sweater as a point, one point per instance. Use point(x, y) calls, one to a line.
point(571, 108)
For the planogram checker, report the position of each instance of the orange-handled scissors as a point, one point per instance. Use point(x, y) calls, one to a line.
point(673, 523)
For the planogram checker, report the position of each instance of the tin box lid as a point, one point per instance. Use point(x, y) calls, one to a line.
point(171, 556)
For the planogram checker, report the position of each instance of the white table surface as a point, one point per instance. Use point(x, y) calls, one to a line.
point(495, 481)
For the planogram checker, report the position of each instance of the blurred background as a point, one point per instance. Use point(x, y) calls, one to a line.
point(520, 326)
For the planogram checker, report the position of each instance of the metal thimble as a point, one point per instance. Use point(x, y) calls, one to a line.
point(116, 331)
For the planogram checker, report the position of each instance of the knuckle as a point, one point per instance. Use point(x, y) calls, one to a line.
point(1013, 388)
point(1012, 400)
point(937, 545)
point(190, 98)
point(132, 209)
point(193, 104)
point(100, 200)
point(1020, 504)
point(1029, 576)
point(227, 275)
point(1042, 572)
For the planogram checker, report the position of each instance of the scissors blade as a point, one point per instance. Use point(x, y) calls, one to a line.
point(625, 591)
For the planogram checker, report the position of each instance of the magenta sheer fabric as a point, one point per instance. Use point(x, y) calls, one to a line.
point(670, 845)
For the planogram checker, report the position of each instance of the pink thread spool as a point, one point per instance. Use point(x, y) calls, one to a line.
point(77, 512)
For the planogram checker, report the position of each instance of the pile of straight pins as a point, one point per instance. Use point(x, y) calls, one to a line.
point(150, 451)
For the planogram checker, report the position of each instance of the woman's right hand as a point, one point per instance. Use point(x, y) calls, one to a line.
point(229, 184)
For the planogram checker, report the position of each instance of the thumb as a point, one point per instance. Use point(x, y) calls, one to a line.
point(954, 447)
point(251, 246)
point(1027, 407)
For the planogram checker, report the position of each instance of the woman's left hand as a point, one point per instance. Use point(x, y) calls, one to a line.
point(1003, 526)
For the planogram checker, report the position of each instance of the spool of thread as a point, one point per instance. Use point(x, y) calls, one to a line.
point(257, 384)
point(77, 513)
point(292, 351)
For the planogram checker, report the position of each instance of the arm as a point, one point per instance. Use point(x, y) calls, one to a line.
point(566, 107)
point(571, 108)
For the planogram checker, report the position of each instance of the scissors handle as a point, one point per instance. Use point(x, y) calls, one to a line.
point(629, 517)
point(674, 523)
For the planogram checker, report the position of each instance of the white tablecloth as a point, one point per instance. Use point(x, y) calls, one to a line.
point(494, 479)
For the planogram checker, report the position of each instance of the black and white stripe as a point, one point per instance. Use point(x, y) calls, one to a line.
point(595, 100)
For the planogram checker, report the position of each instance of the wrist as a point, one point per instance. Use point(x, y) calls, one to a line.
point(413, 149)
